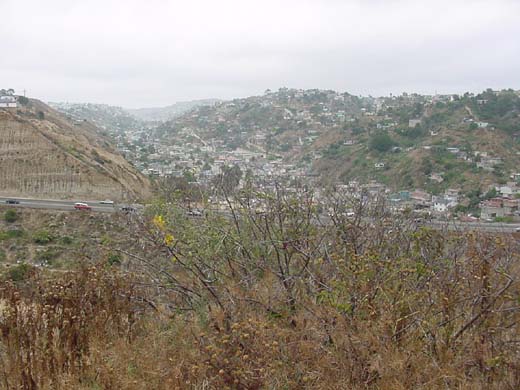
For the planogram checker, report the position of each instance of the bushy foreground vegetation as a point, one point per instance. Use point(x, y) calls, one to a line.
point(277, 298)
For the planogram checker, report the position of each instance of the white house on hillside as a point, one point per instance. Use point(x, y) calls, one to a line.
point(8, 101)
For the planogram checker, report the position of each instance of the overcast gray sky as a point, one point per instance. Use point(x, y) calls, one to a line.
point(157, 52)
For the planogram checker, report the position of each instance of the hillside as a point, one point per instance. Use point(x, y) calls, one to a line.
point(114, 120)
point(168, 112)
point(406, 141)
point(46, 155)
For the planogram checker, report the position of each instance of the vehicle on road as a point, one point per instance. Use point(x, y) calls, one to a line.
point(107, 201)
point(517, 230)
point(82, 206)
point(128, 209)
point(194, 213)
point(12, 201)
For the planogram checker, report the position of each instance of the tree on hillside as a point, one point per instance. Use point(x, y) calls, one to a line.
point(497, 105)
point(179, 189)
point(23, 100)
point(229, 179)
point(416, 132)
point(381, 142)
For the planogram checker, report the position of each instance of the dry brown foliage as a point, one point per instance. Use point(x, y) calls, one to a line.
point(401, 308)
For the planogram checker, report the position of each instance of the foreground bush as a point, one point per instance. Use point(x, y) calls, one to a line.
point(48, 326)
point(11, 216)
point(272, 301)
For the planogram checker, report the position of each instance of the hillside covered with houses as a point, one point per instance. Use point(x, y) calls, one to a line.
point(442, 154)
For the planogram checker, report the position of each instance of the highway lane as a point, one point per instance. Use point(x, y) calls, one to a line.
point(64, 205)
point(68, 205)
point(492, 227)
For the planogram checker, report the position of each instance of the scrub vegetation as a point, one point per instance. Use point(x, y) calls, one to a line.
point(289, 295)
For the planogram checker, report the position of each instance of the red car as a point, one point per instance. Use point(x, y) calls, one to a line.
point(82, 206)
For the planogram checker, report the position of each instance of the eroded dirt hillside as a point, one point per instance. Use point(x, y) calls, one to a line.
point(44, 155)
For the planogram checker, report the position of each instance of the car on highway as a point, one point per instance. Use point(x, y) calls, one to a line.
point(107, 201)
point(128, 209)
point(82, 206)
point(12, 201)
point(517, 230)
point(195, 213)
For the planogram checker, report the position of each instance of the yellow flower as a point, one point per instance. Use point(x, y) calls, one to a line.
point(158, 221)
point(168, 239)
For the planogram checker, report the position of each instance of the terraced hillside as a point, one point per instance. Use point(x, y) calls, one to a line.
point(42, 154)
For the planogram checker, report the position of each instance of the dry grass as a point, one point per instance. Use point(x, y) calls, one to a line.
point(423, 321)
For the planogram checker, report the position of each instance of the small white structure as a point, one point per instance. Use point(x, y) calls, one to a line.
point(437, 177)
point(440, 206)
point(414, 122)
point(8, 101)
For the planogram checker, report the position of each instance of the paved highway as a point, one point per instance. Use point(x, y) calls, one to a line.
point(493, 227)
point(68, 205)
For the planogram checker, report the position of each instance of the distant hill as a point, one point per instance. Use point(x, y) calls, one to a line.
point(44, 154)
point(112, 119)
point(169, 112)
point(407, 141)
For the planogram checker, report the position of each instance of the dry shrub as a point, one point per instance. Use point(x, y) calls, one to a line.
point(47, 326)
point(441, 314)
